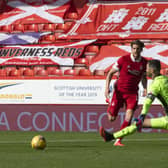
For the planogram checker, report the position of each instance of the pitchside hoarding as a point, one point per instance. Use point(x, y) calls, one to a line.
point(59, 105)
point(83, 118)
point(63, 91)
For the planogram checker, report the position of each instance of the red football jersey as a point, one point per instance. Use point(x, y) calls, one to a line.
point(131, 72)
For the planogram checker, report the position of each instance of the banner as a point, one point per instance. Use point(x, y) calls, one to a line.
point(82, 118)
point(122, 20)
point(109, 54)
point(33, 11)
point(43, 54)
point(57, 91)
point(21, 38)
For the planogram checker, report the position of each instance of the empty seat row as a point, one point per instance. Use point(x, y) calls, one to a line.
point(20, 28)
point(61, 28)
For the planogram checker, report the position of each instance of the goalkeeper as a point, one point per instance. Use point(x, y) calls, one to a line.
point(157, 89)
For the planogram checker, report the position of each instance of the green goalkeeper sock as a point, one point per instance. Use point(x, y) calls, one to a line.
point(126, 131)
point(159, 123)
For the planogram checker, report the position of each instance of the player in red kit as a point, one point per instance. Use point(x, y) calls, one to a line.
point(132, 70)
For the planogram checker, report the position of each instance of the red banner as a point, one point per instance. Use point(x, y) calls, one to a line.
point(109, 54)
point(60, 54)
point(122, 20)
point(34, 11)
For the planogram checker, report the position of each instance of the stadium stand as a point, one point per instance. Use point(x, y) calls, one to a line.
point(6, 29)
point(84, 72)
point(41, 72)
point(56, 72)
point(31, 28)
point(17, 28)
point(3, 73)
point(48, 27)
point(70, 72)
point(28, 72)
point(14, 73)
point(91, 50)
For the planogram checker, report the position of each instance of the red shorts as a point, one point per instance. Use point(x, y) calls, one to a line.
point(120, 99)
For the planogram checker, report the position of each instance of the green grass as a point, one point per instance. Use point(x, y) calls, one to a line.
point(83, 150)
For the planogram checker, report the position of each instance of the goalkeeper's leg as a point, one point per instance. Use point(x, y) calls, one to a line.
point(157, 123)
point(126, 131)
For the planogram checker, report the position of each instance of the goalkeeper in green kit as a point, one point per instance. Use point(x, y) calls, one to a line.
point(157, 89)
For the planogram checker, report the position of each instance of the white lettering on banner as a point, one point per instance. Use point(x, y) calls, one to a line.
point(89, 122)
point(46, 124)
point(19, 119)
point(145, 11)
point(4, 120)
point(106, 27)
point(163, 17)
point(100, 122)
point(65, 121)
point(158, 27)
point(117, 16)
point(136, 23)
point(55, 120)
point(78, 124)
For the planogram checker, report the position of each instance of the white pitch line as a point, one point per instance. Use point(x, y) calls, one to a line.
point(85, 140)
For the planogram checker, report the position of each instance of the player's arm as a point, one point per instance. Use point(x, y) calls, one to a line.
point(108, 80)
point(144, 83)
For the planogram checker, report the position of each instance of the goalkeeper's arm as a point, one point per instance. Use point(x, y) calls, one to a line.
point(148, 101)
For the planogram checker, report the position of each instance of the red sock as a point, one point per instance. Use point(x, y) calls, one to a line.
point(124, 124)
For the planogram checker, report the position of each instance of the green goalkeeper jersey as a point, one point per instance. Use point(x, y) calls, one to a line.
point(157, 89)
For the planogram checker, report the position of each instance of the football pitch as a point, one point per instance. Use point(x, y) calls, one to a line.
point(83, 150)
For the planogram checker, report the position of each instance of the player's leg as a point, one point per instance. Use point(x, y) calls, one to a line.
point(114, 106)
point(119, 134)
point(131, 104)
point(113, 109)
point(124, 132)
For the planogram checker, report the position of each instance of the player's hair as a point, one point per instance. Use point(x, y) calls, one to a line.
point(138, 42)
point(155, 64)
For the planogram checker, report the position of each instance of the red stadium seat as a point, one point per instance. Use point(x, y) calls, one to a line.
point(31, 28)
point(41, 72)
point(18, 28)
point(36, 68)
point(71, 17)
point(47, 39)
point(6, 29)
point(62, 28)
point(81, 61)
point(48, 27)
point(3, 73)
point(56, 72)
point(8, 69)
point(84, 72)
point(91, 50)
point(70, 72)
point(14, 73)
point(28, 72)
point(98, 72)
point(50, 69)
point(22, 69)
